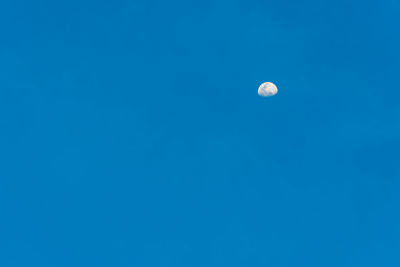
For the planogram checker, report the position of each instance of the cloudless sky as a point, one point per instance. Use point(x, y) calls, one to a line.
point(131, 133)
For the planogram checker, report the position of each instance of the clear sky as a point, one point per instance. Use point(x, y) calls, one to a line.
point(131, 133)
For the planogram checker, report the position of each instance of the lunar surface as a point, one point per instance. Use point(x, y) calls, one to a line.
point(267, 89)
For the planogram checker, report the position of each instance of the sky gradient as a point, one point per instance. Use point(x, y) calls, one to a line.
point(131, 133)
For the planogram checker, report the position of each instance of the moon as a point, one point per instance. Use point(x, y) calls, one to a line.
point(267, 89)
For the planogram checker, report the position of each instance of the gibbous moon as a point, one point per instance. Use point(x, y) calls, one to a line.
point(267, 89)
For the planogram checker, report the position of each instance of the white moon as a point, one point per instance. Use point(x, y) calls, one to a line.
point(267, 89)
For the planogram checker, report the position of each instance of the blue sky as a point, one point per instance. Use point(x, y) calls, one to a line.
point(132, 133)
